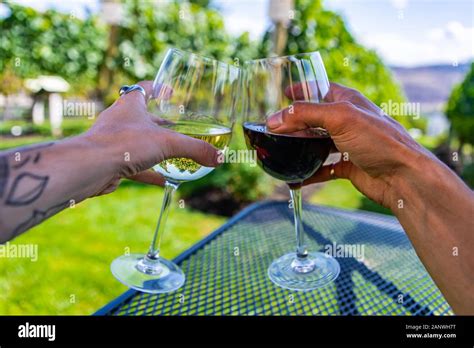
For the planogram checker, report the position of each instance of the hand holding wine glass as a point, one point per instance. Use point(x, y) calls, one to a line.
point(193, 96)
point(375, 147)
point(383, 162)
point(142, 141)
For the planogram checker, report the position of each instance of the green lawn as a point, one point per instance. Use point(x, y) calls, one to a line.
point(6, 143)
point(341, 193)
point(76, 247)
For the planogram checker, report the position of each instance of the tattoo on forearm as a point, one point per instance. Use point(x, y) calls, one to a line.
point(27, 149)
point(35, 184)
point(3, 174)
point(26, 189)
point(21, 163)
point(38, 216)
point(37, 157)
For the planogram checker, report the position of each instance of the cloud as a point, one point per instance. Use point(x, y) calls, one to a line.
point(453, 30)
point(452, 42)
point(4, 11)
point(245, 15)
point(239, 24)
point(399, 4)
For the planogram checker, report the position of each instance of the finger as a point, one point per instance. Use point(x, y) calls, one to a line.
point(147, 86)
point(180, 145)
point(111, 187)
point(159, 91)
point(156, 91)
point(304, 91)
point(149, 177)
point(338, 93)
point(308, 91)
point(159, 121)
point(136, 99)
point(301, 115)
point(339, 170)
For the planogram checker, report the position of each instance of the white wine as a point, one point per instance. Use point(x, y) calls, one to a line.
point(185, 169)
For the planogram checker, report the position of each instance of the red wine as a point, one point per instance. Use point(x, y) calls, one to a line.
point(290, 157)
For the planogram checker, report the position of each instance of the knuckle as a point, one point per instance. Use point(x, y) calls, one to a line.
point(201, 151)
point(345, 105)
point(296, 109)
point(357, 120)
point(167, 142)
point(351, 92)
point(300, 105)
point(207, 149)
point(345, 110)
point(287, 114)
point(346, 115)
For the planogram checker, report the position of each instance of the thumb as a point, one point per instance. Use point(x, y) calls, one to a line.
point(180, 145)
point(302, 115)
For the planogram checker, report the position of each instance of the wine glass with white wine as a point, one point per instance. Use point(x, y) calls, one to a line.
point(195, 96)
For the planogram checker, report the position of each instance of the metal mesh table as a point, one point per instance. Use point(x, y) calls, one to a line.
point(226, 273)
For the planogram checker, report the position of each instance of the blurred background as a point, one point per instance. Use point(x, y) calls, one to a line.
point(56, 56)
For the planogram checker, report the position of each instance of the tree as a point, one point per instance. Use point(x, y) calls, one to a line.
point(51, 43)
point(315, 29)
point(460, 110)
point(10, 83)
point(150, 27)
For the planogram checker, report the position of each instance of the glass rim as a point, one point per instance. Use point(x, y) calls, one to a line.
point(296, 55)
point(201, 57)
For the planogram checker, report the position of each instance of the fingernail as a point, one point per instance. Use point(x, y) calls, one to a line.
point(275, 120)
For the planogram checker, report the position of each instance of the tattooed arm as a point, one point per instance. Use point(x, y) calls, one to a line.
point(38, 181)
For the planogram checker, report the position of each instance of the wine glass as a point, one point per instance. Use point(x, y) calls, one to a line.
point(270, 85)
point(195, 96)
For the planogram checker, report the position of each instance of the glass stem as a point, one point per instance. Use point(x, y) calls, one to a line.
point(154, 251)
point(301, 251)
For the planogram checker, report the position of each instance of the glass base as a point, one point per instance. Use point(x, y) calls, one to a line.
point(317, 270)
point(143, 274)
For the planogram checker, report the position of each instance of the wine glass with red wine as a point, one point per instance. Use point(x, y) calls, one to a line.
point(270, 85)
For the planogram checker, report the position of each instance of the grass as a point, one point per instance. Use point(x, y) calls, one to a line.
point(75, 249)
point(70, 126)
point(7, 143)
point(341, 193)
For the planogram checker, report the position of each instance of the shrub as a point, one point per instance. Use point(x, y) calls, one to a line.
point(468, 175)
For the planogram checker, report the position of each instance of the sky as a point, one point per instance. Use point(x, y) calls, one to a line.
point(403, 32)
